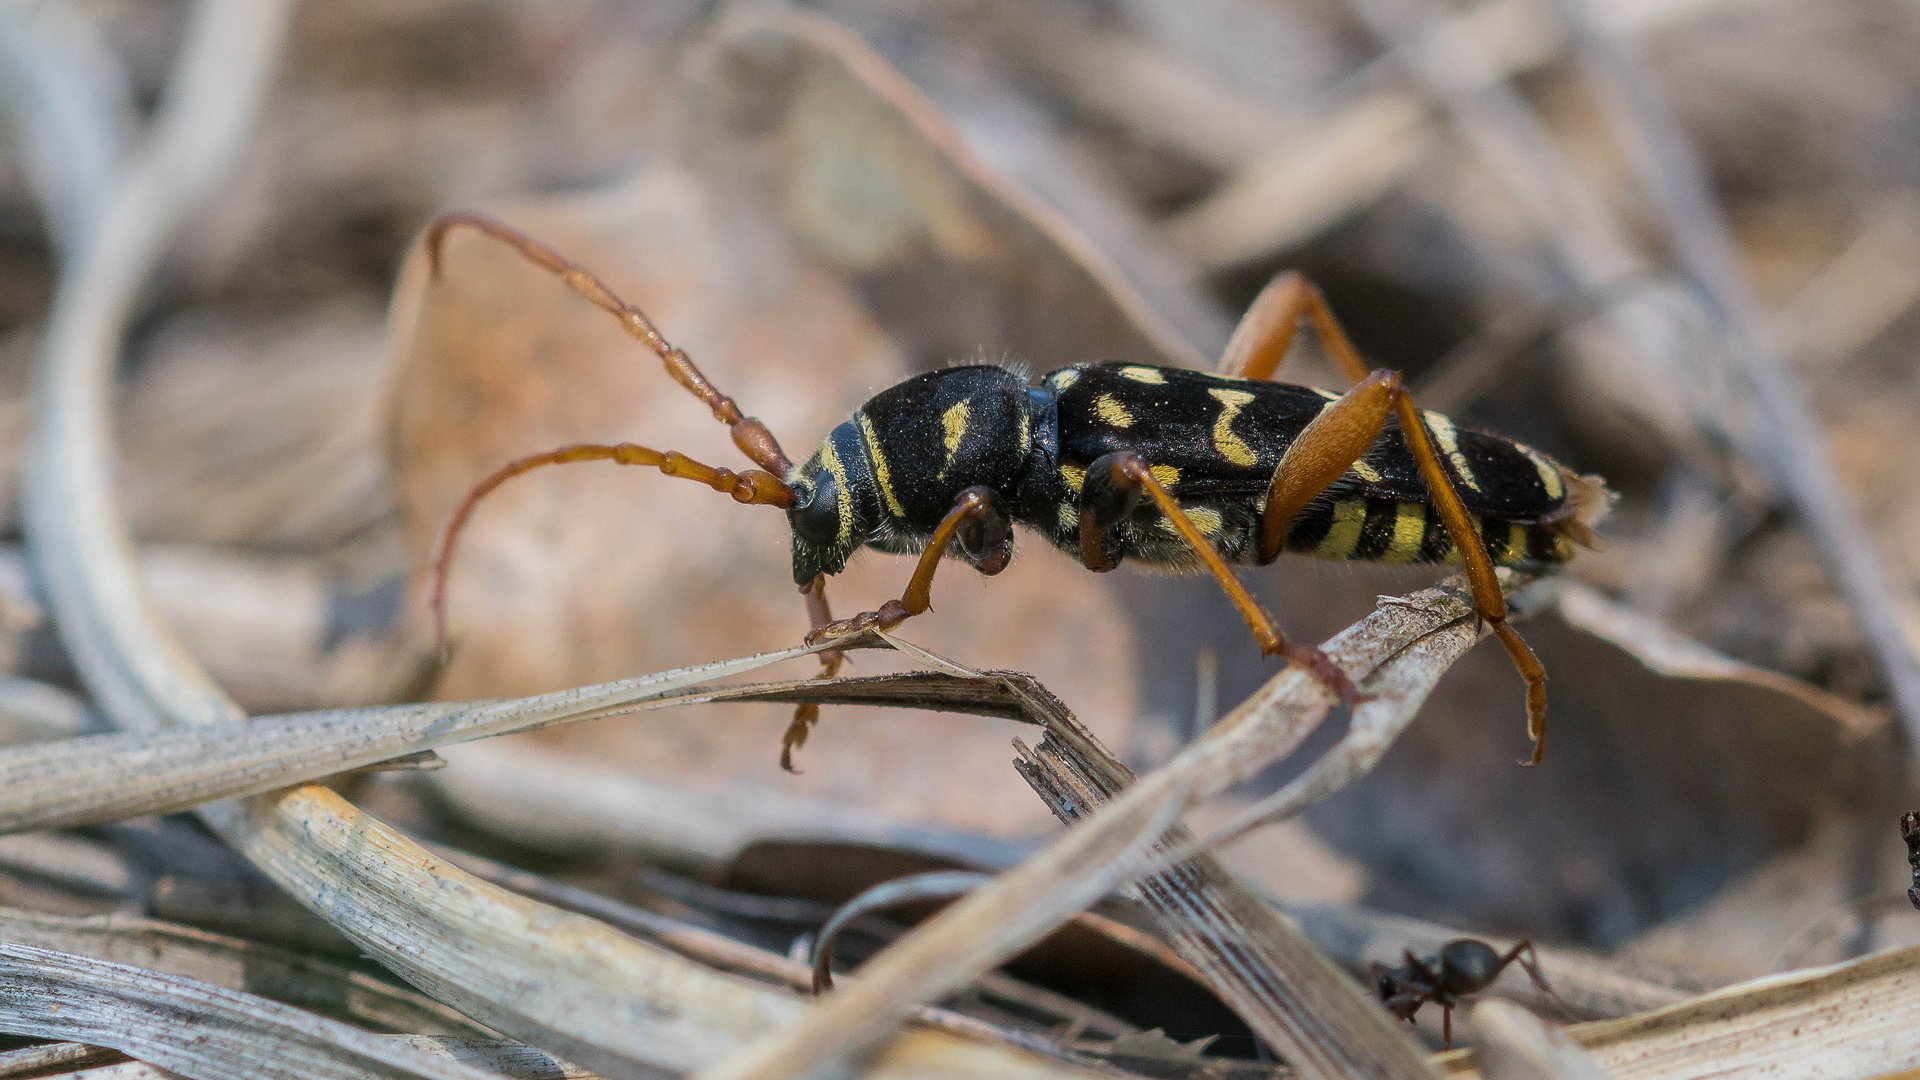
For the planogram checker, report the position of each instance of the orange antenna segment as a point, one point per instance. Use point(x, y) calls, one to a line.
point(749, 434)
point(752, 487)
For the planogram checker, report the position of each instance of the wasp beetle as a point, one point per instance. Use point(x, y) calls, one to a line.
point(1179, 469)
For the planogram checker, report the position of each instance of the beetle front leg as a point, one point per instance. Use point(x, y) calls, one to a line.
point(985, 531)
point(977, 516)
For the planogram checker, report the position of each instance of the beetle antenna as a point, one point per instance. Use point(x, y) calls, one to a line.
point(752, 487)
point(749, 434)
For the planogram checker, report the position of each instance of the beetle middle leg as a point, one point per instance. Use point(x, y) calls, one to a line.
point(1341, 434)
point(1113, 486)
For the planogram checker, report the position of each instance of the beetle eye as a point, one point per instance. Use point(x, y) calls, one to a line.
point(815, 515)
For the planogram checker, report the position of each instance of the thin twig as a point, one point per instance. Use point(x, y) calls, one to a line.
point(100, 778)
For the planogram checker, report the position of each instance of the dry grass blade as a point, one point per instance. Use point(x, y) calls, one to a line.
point(1669, 653)
point(1095, 855)
point(111, 777)
point(558, 980)
point(195, 1028)
point(725, 953)
point(498, 1055)
point(504, 1056)
point(912, 889)
point(1515, 1045)
point(501, 1056)
point(1289, 992)
point(51, 1057)
point(169, 949)
point(1845, 1022)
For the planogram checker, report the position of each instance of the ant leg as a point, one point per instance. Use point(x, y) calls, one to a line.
point(1406, 1004)
point(978, 511)
point(749, 434)
point(819, 616)
point(1113, 487)
point(1446, 1027)
point(1530, 963)
point(1337, 430)
point(752, 487)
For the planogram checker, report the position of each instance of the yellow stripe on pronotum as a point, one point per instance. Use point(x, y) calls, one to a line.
point(830, 460)
point(881, 474)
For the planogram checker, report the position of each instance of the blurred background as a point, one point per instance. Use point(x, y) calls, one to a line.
point(817, 200)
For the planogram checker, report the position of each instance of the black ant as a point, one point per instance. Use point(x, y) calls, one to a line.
point(1461, 968)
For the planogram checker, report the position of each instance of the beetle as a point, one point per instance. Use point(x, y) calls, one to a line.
point(1462, 967)
point(1183, 470)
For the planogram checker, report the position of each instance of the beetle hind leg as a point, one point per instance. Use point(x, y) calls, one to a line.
point(1342, 433)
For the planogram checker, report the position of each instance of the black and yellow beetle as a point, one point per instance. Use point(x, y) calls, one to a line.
point(1110, 461)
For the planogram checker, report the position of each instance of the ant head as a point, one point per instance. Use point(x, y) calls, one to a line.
point(1467, 966)
point(835, 509)
point(1385, 984)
